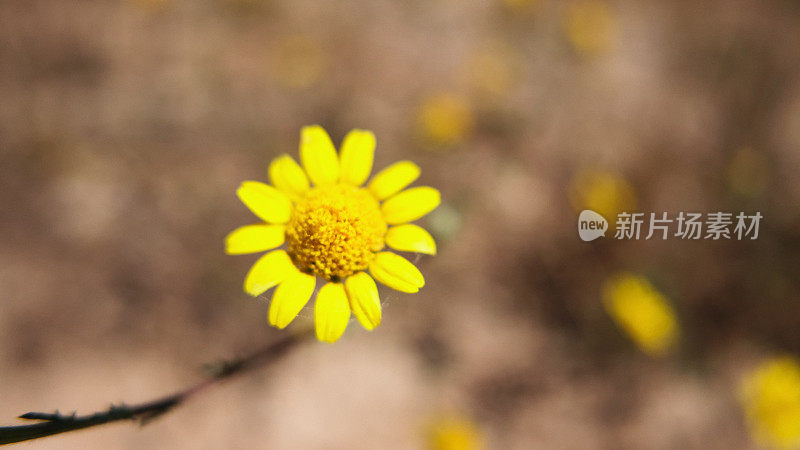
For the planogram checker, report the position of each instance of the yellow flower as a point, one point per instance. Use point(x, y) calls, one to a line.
point(454, 433)
point(444, 119)
point(771, 399)
point(642, 312)
point(590, 26)
point(492, 70)
point(335, 229)
point(603, 192)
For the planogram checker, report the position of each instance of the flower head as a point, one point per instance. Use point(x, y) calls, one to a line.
point(590, 26)
point(454, 432)
point(493, 70)
point(603, 192)
point(642, 312)
point(335, 229)
point(444, 120)
point(771, 398)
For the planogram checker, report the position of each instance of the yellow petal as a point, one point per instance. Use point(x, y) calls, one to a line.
point(394, 178)
point(318, 155)
point(410, 238)
point(396, 272)
point(265, 201)
point(267, 272)
point(286, 175)
point(410, 205)
point(331, 312)
point(356, 156)
point(254, 239)
point(290, 297)
point(364, 301)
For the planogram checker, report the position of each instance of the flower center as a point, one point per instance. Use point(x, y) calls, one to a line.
point(334, 231)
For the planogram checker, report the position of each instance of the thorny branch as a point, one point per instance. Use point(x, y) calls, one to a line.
point(55, 423)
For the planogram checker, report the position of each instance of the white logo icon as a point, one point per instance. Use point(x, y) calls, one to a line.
point(591, 225)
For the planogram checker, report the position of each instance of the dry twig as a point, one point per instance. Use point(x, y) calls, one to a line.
point(55, 423)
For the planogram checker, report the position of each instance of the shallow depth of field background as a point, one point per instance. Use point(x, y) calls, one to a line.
point(125, 128)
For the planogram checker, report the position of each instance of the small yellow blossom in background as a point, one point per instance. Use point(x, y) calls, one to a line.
point(444, 119)
point(603, 192)
point(493, 69)
point(297, 61)
point(748, 171)
point(642, 312)
point(333, 228)
point(590, 26)
point(771, 399)
point(454, 433)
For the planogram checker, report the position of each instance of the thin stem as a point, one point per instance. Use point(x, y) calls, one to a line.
point(55, 423)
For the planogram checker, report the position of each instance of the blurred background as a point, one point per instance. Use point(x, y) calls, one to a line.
point(125, 128)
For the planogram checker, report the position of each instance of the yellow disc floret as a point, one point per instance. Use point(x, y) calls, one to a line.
point(334, 231)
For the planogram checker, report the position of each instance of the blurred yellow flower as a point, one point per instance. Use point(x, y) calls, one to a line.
point(771, 399)
point(454, 433)
point(603, 192)
point(335, 230)
point(748, 171)
point(642, 312)
point(445, 119)
point(590, 26)
point(492, 70)
point(297, 61)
